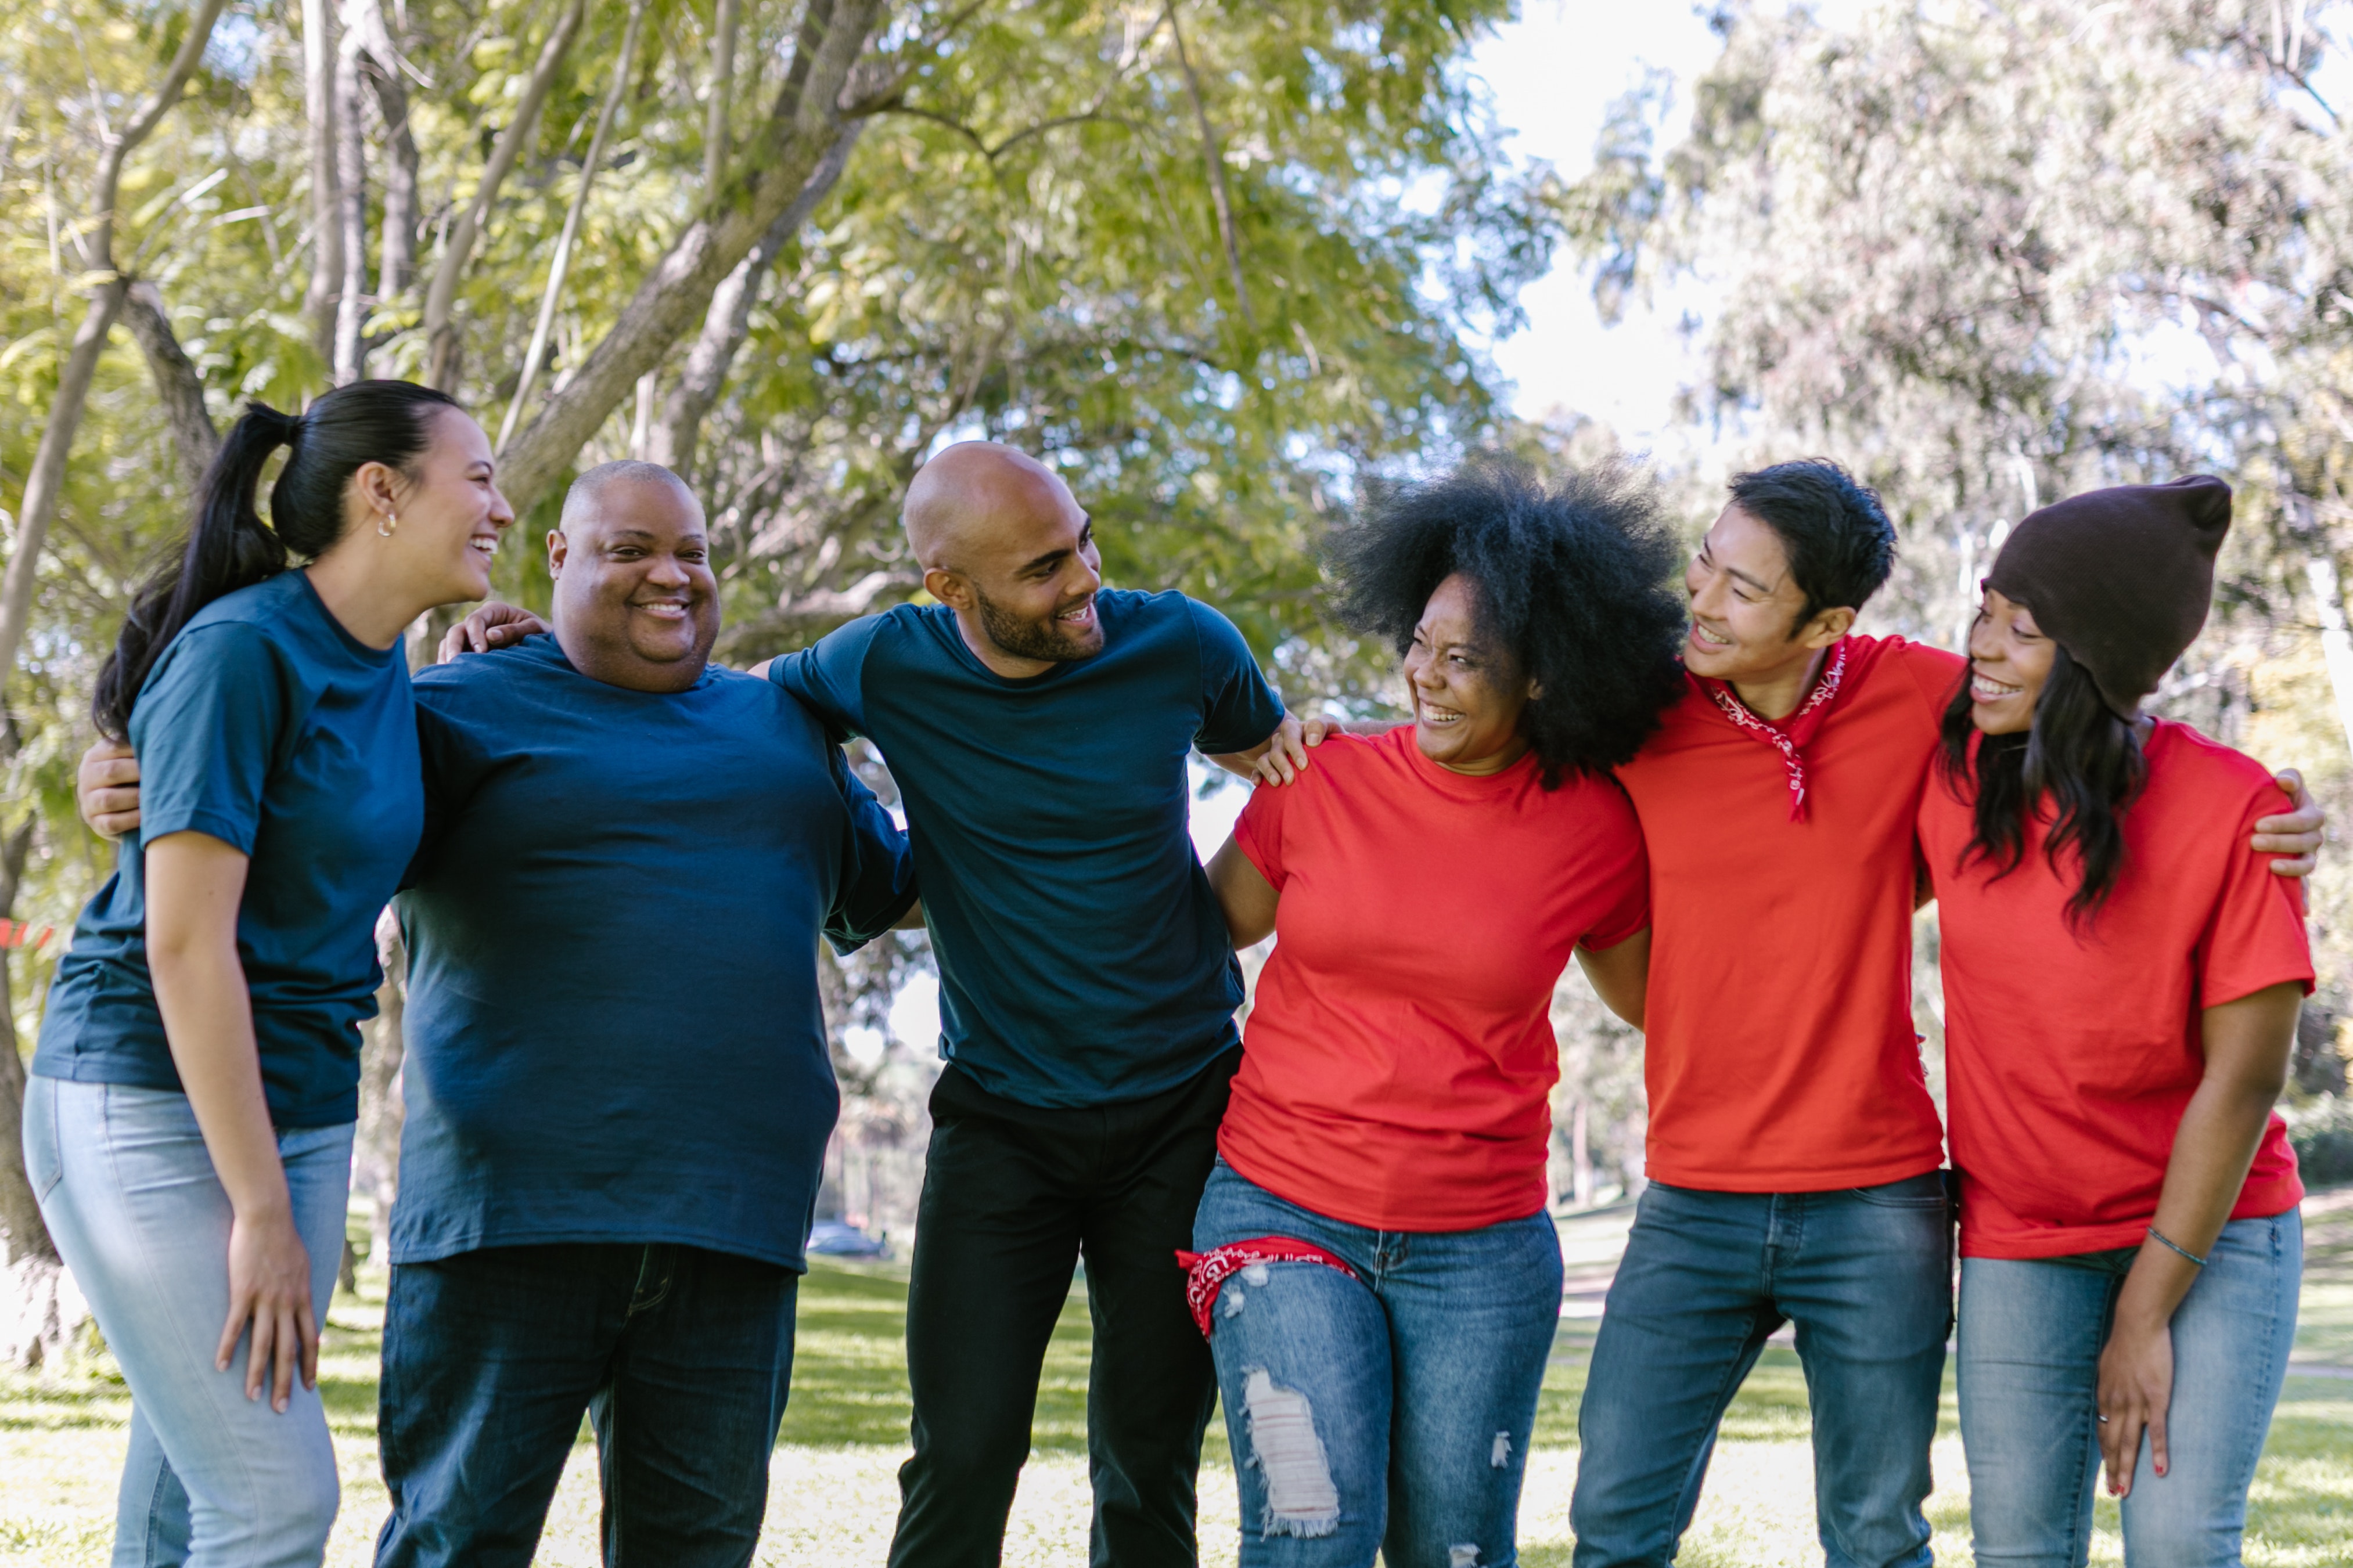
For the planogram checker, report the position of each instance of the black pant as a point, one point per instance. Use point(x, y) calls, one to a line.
point(680, 1355)
point(1013, 1195)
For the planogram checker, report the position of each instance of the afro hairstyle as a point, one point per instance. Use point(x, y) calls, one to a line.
point(1570, 576)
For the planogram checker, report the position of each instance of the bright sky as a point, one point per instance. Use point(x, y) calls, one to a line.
point(1554, 74)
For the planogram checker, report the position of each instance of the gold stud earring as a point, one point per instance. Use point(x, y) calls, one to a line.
point(384, 525)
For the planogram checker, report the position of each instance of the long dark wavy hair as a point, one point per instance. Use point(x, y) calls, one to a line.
point(229, 547)
point(2079, 756)
point(1571, 579)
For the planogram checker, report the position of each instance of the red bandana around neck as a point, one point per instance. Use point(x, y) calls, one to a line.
point(1791, 736)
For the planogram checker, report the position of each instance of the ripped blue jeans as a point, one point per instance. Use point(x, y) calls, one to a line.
point(1389, 1412)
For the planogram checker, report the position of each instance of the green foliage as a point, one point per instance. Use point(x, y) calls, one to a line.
point(1029, 242)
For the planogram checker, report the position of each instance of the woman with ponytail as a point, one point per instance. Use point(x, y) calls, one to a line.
point(2122, 979)
point(188, 1129)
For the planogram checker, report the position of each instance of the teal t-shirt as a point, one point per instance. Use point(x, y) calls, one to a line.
point(267, 726)
point(1082, 957)
point(614, 1027)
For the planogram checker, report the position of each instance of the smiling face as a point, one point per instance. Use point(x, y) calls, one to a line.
point(1006, 546)
point(636, 603)
point(1467, 694)
point(444, 514)
point(2010, 661)
point(1747, 607)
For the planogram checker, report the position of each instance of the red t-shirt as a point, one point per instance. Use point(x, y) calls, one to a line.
point(1780, 1055)
point(1399, 1059)
point(2070, 1057)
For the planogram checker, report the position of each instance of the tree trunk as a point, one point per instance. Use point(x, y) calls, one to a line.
point(442, 298)
point(380, 69)
point(319, 301)
point(729, 321)
point(351, 344)
point(40, 1310)
point(723, 89)
point(178, 388)
point(2335, 641)
point(807, 118)
point(47, 478)
point(375, 1146)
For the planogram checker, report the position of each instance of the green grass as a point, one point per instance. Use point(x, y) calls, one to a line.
point(834, 1492)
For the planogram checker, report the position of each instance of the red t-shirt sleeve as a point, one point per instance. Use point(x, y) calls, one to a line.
point(1630, 878)
point(1258, 831)
point(2256, 937)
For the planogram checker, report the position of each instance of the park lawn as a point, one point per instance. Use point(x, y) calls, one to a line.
point(834, 1491)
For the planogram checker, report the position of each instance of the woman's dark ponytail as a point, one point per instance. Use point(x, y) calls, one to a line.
point(2080, 759)
point(229, 547)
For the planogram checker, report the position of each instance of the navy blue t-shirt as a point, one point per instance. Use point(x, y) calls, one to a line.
point(613, 1025)
point(1082, 957)
point(267, 726)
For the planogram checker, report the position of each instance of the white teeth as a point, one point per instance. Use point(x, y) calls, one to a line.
point(1709, 638)
point(1989, 690)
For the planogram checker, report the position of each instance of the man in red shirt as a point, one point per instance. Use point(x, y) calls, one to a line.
point(1793, 1149)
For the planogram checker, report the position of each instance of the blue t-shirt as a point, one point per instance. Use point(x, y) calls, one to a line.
point(613, 1025)
point(1082, 957)
point(267, 726)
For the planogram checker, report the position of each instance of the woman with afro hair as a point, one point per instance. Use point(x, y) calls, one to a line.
point(1376, 1274)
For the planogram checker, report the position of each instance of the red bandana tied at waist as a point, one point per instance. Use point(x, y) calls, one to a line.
point(1207, 1271)
point(1792, 735)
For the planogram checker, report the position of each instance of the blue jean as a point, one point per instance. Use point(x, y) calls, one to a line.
point(1865, 1273)
point(678, 1355)
point(138, 1214)
point(1391, 1412)
point(2031, 1337)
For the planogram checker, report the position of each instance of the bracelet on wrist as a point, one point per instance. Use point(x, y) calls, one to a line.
point(2171, 1245)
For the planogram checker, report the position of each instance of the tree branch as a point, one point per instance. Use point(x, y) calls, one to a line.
point(440, 299)
point(178, 388)
point(1215, 160)
point(46, 479)
point(787, 156)
point(728, 320)
point(563, 257)
point(722, 88)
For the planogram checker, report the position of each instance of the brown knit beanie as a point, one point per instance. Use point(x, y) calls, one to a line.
point(2120, 578)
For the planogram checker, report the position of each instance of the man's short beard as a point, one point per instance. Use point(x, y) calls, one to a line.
point(1028, 639)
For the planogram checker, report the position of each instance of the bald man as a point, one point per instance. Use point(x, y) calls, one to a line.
point(617, 1088)
point(1037, 724)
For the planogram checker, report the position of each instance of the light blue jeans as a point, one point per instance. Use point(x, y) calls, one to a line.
point(213, 1479)
point(2030, 1343)
point(1391, 1412)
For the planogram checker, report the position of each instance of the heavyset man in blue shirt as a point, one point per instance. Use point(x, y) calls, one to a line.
point(1038, 726)
point(618, 1093)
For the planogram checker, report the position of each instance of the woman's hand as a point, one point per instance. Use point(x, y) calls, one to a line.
point(2136, 1390)
point(107, 788)
point(494, 626)
point(269, 1288)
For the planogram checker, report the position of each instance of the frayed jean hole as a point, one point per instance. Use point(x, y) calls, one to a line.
point(1463, 1557)
point(1256, 1274)
point(1501, 1455)
point(1231, 1301)
point(1301, 1498)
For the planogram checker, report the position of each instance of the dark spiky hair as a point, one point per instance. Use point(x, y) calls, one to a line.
point(1570, 577)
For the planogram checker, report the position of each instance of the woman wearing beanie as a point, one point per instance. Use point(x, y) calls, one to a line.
point(188, 1126)
point(1376, 1274)
point(2122, 978)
